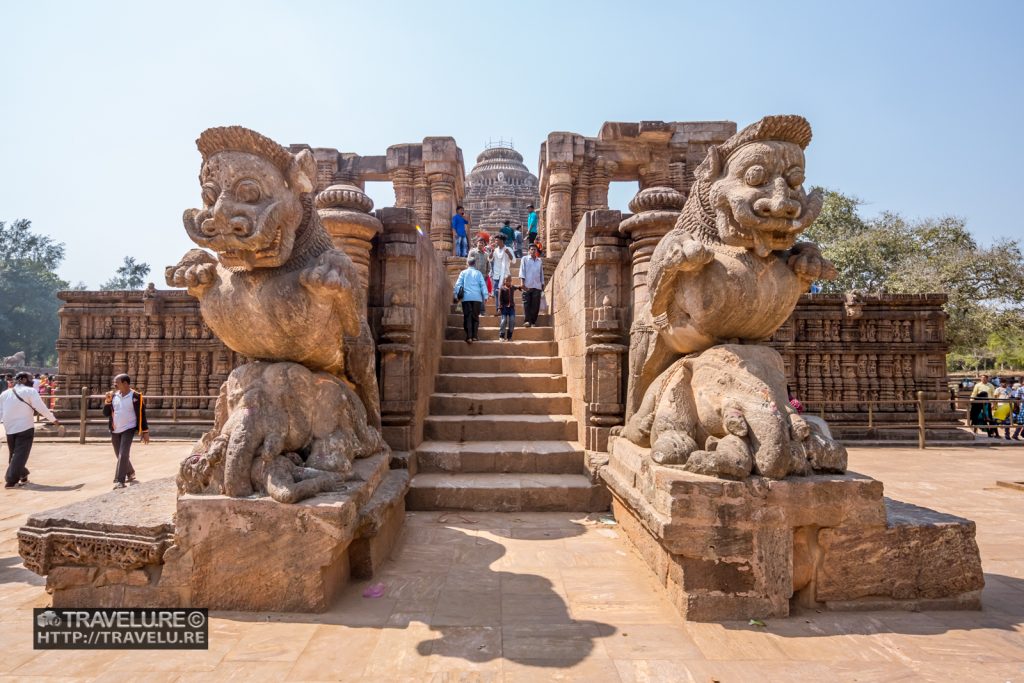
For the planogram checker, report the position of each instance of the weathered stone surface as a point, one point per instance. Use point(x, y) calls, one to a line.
point(729, 270)
point(745, 549)
point(98, 532)
point(255, 554)
point(267, 415)
point(920, 554)
point(302, 301)
point(217, 551)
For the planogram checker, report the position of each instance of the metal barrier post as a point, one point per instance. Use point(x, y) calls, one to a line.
point(920, 420)
point(83, 405)
point(871, 415)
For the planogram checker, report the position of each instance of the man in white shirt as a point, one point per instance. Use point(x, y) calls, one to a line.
point(531, 270)
point(18, 407)
point(501, 259)
point(126, 414)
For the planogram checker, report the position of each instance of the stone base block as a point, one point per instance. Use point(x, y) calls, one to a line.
point(140, 547)
point(749, 549)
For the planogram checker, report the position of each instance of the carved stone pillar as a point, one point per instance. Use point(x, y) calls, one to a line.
point(604, 169)
point(442, 207)
point(655, 212)
point(607, 294)
point(397, 370)
point(402, 179)
point(421, 199)
point(559, 207)
point(343, 211)
point(326, 166)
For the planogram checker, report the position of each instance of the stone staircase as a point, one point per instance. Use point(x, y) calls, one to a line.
point(500, 435)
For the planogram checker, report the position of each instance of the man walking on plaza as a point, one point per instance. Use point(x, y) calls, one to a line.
point(125, 410)
point(471, 290)
point(460, 226)
point(531, 270)
point(18, 407)
point(531, 225)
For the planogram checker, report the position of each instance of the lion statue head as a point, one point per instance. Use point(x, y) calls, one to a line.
point(256, 198)
point(749, 191)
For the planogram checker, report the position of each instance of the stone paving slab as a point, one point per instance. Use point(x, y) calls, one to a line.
point(549, 597)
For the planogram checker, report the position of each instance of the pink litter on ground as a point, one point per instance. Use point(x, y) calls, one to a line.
point(374, 591)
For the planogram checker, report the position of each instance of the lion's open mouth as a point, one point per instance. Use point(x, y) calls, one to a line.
point(250, 257)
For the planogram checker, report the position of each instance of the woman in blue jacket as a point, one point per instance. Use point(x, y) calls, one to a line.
point(471, 290)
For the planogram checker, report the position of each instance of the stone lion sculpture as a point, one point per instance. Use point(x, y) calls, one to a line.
point(288, 444)
point(730, 273)
point(277, 291)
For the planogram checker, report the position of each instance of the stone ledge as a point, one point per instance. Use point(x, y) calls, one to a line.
point(742, 550)
point(215, 551)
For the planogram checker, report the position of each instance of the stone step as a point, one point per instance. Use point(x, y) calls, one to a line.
point(500, 427)
point(489, 319)
point(491, 333)
point(509, 403)
point(475, 382)
point(497, 348)
point(545, 364)
point(490, 492)
point(537, 457)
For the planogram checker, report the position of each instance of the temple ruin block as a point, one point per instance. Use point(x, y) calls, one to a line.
point(689, 309)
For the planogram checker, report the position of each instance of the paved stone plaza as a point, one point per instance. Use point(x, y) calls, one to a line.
point(550, 596)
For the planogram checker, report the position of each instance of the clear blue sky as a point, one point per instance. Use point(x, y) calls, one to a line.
point(915, 105)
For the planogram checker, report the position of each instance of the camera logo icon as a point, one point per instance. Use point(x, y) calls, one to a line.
point(48, 618)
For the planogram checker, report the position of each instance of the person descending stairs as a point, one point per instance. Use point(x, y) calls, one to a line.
point(500, 435)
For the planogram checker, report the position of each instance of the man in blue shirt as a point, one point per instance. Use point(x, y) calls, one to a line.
point(459, 224)
point(531, 225)
point(474, 293)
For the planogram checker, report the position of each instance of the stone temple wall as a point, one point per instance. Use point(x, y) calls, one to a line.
point(840, 351)
point(157, 337)
point(409, 291)
point(591, 291)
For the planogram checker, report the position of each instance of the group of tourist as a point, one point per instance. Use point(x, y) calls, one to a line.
point(22, 403)
point(44, 384)
point(515, 238)
point(994, 405)
point(488, 273)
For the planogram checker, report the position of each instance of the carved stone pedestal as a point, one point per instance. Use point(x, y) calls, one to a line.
point(138, 548)
point(749, 549)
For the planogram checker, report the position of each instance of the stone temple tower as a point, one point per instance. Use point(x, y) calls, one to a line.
point(499, 188)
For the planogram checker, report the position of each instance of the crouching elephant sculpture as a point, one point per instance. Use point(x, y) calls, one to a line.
point(281, 430)
point(724, 412)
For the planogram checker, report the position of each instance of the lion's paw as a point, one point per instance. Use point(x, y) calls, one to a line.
point(808, 263)
point(196, 270)
point(332, 272)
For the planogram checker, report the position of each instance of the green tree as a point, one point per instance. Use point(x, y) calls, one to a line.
point(130, 275)
point(985, 285)
point(28, 292)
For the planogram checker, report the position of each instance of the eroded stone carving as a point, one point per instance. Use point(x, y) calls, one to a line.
point(283, 430)
point(277, 291)
point(727, 276)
